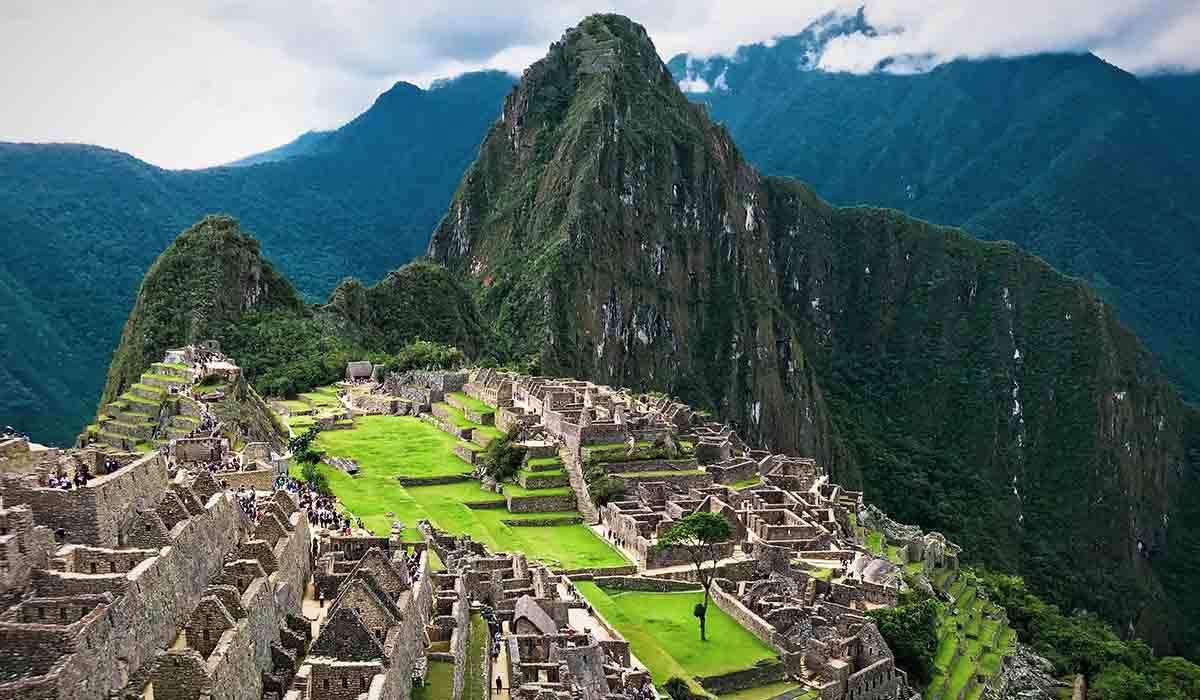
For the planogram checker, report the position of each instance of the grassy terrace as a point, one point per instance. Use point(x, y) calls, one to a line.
point(746, 483)
point(458, 418)
point(544, 461)
point(518, 490)
point(663, 634)
point(439, 682)
point(389, 446)
point(664, 472)
point(765, 692)
point(975, 635)
point(476, 687)
point(472, 403)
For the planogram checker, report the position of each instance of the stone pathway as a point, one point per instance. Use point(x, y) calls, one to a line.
point(500, 669)
point(312, 609)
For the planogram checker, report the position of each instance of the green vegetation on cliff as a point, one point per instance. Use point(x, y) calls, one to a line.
point(1070, 157)
point(212, 283)
point(967, 386)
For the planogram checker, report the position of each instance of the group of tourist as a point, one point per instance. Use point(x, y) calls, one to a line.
point(247, 500)
point(9, 432)
point(226, 464)
point(320, 509)
point(67, 483)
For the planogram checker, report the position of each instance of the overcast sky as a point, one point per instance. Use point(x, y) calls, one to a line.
point(202, 82)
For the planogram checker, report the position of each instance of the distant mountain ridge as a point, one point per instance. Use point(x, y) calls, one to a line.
point(1094, 169)
point(81, 224)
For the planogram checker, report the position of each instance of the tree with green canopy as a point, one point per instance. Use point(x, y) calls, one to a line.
point(700, 536)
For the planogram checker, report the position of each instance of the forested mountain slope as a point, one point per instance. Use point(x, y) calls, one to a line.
point(81, 224)
point(213, 283)
point(614, 231)
point(1092, 168)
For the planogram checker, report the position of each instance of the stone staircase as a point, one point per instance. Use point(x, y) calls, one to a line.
point(583, 497)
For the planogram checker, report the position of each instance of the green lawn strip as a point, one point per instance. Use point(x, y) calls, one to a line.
point(664, 635)
point(990, 663)
point(544, 461)
point(141, 400)
point(893, 554)
point(439, 682)
point(944, 656)
point(455, 416)
point(745, 483)
point(914, 567)
point(491, 431)
point(518, 490)
point(472, 403)
point(770, 690)
point(663, 472)
point(550, 472)
point(301, 423)
point(961, 674)
point(295, 406)
point(823, 573)
point(477, 646)
point(875, 543)
point(317, 398)
point(166, 378)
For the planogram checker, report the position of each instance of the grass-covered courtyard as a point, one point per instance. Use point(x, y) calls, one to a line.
point(386, 447)
point(663, 634)
point(392, 446)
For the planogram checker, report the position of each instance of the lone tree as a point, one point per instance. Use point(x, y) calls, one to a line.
point(699, 535)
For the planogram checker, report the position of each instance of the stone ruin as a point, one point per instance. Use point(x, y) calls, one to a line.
point(550, 647)
point(138, 583)
point(374, 635)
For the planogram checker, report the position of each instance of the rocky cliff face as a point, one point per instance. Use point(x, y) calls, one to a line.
point(615, 231)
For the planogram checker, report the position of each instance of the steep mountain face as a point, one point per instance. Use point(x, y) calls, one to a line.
point(1071, 158)
point(81, 224)
point(212, 282)
point(614, 231)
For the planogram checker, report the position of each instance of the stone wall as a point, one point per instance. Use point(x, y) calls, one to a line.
point(153, 601)
point(461, 637)
point(96, 512)
point(541, 504)
point(745, 617)
point(646, 583)
point(258, 479)
point(244, 653)
point(410, 641)
point(167, 588)
point(746, 678)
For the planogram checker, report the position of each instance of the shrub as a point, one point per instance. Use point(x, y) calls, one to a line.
point(501, 459)
point(911, 632)
point(677, 688)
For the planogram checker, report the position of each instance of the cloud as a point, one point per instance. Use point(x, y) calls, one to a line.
point(191, 83)
point(1136, 35)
